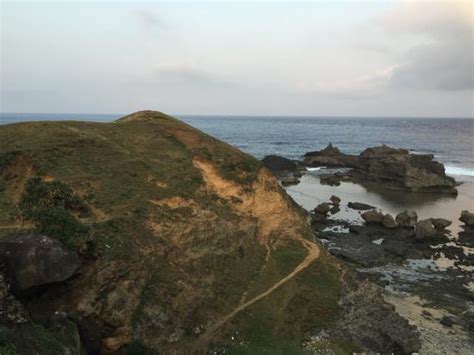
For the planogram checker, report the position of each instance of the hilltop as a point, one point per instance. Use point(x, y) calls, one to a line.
point(186, 244)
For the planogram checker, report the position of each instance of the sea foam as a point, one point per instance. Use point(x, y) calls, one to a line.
point(458, 170)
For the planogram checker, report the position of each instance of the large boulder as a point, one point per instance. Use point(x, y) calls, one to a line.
point(277, 163)
point(373, 217)
point(35, 260)
point(389, 222)
point(425, 229)
point(407, 219)
point(440, 223)
point(467, 218)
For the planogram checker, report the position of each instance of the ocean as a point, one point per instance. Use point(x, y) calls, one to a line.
point(450, 140)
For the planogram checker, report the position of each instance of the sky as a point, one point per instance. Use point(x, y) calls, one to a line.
point(347, 58)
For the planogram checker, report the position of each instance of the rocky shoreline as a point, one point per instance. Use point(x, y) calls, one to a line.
point(394, 169)
point(423, 269)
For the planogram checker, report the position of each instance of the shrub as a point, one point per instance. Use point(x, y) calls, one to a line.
point(58, 223)
point(48, 206)
point(42, 194)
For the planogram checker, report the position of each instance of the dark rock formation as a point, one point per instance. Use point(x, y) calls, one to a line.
point(467, 218)
point(277, 163)
point(386, 332)
point(360, 206)
point(440, 223)
point(323, 208)
point(373, 217)
point(407, 219)
point(330, 156)
point(336, 201)
point(35, 260)
point(390, 167)
point(389, 222)
point(289, 180)
point(425, 229)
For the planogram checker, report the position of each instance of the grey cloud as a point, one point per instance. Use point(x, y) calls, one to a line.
point(444, 58)
point(190, 75)
point(150, 19)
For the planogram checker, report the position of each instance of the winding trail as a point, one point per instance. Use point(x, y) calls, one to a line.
point(313, 254)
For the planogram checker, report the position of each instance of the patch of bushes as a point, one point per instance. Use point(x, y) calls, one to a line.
point(53, 194)
point(48, 206)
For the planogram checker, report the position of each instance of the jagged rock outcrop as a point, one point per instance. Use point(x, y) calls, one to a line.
point(390, 167)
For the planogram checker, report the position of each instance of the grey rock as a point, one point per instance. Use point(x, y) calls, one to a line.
point(323, 208)
point(467, 218)
point(290, 180)
point(424, 229)
point(360, 206)
point(441, 223)
point(407, 219)
point(447, 321)
point(35, 260)
point(373, 217)
point(389, 222)
point(336, 201)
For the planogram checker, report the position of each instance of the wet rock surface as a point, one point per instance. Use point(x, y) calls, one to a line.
point(409, 257)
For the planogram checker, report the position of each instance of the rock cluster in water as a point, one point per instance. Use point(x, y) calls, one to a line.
point(393, 168)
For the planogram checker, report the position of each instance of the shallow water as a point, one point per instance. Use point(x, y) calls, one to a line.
point(309, 193)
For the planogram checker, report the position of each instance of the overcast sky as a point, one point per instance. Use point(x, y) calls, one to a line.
point(381, 58)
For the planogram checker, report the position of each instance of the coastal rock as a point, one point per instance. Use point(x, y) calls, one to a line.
point(385, 331)
point(330, 156)
point(440, 223)
point(277, 163)
point(467, 218)
point(36, 260)
point(389, 222)
point(330, 179)
point(424, 229)
point(373, 217)
point(360, 206)
point(389, 167)
point(323, 208)
point(407, 219)
point(336, 201)
point(290, 180)
point(398, 169)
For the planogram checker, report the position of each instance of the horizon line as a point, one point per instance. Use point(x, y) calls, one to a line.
point(223, 115)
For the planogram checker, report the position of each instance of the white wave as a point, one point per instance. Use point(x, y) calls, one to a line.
point(458, 170)
point(315, 169)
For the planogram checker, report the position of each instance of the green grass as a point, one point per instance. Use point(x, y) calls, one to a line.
point(191, 270)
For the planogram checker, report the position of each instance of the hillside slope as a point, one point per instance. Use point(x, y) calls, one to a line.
point(187, 244)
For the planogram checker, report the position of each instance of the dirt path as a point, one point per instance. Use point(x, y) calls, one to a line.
point(313, 254)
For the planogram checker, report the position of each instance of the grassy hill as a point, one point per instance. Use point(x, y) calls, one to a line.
point(176, 230)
